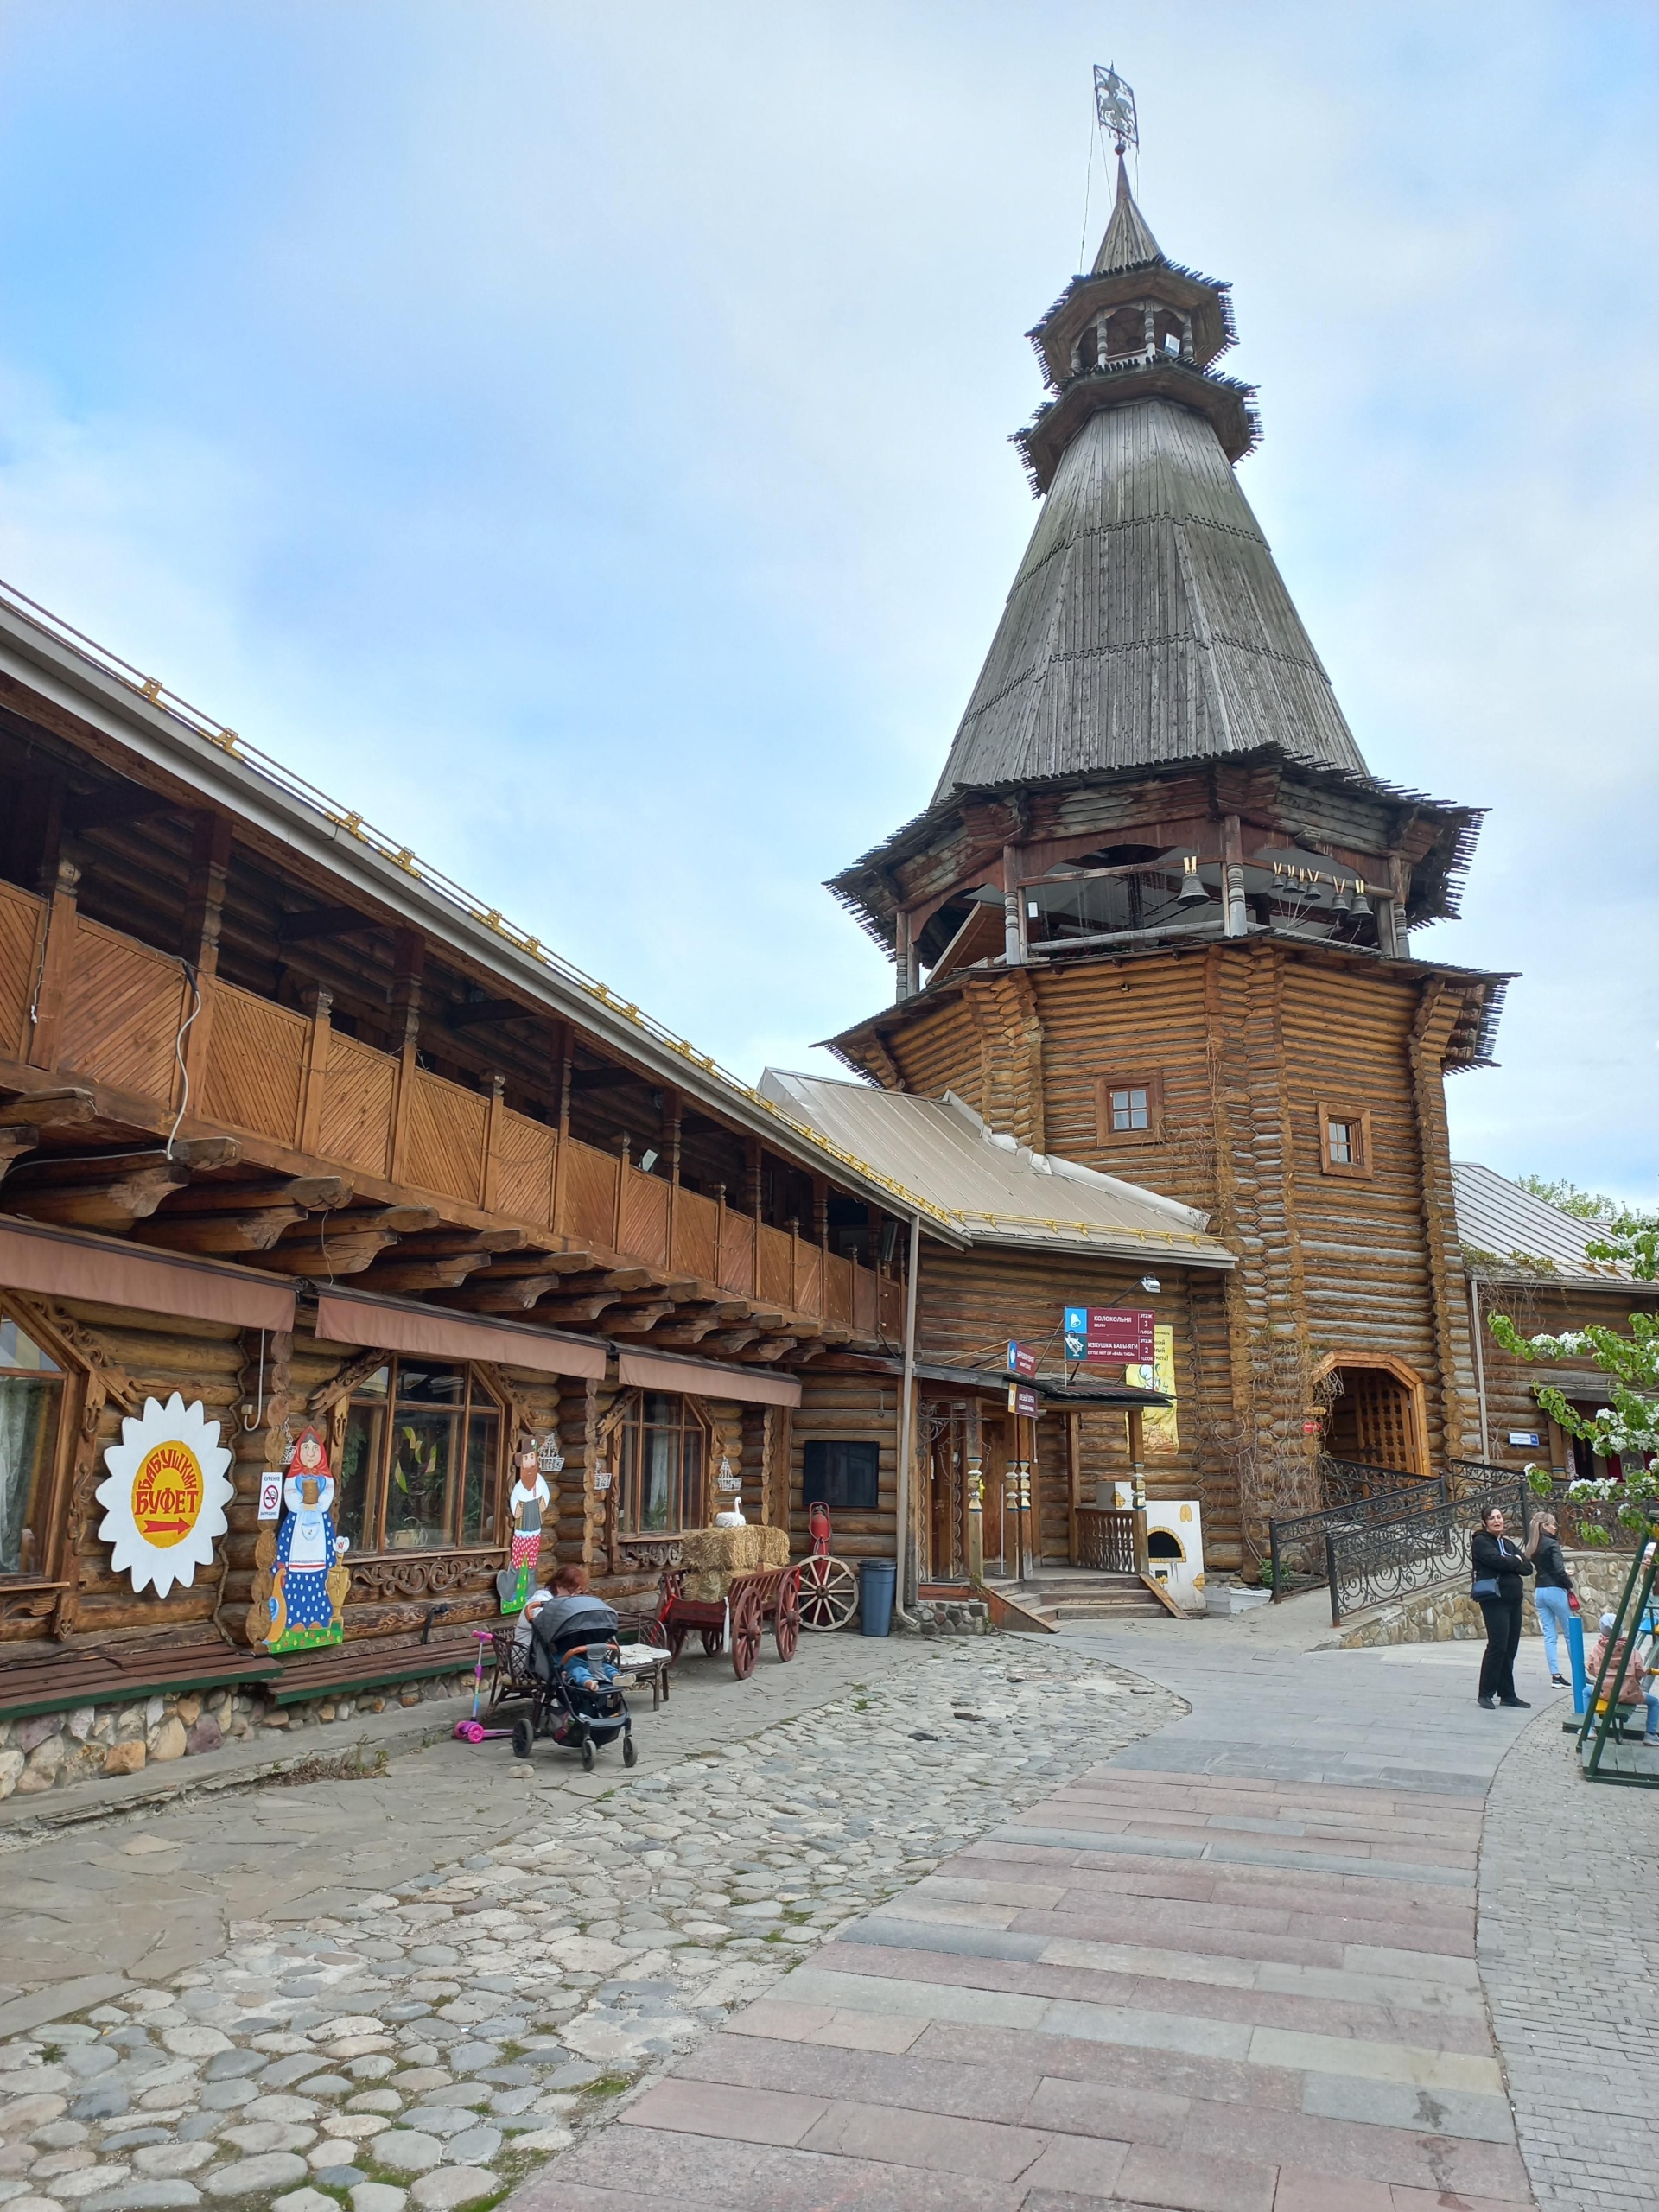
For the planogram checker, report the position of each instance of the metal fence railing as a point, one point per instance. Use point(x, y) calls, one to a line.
point(1356, 1496)
point(1414, 1551)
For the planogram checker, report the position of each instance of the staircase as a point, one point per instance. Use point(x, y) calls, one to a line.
point(1063, 1597)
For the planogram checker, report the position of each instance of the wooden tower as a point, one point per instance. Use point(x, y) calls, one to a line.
point(1156, 917)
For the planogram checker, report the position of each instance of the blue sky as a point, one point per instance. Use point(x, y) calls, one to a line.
point(577, 437)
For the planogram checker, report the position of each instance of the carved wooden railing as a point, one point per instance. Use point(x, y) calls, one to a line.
point(85, 1001)
point(1105, 1539)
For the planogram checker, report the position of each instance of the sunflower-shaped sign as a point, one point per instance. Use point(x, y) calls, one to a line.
point(165, 1496)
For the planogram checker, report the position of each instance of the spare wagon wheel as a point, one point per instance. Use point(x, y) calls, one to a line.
point(828, 1594)
point(746, 1617)
point(712, 1640)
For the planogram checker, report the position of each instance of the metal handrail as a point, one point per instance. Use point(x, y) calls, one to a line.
point(1367, 1567)
point(1404, 1495)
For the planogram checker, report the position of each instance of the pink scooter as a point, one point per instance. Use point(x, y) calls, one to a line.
point(473, 1731)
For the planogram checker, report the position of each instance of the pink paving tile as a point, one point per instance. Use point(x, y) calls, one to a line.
point(1003, 2094)
point(823, 2027)
point(1444, 1942)
point(1424, 2200)
point(1300, 2191)
point(1076, 2166)
point(1101, 2109)
point(712, 2108)
point(1272, 2090)
point(1189, 2182)
point(941, 2144)
point(1355, 2150)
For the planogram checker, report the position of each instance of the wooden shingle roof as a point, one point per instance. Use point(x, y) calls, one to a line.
point(1148, 622)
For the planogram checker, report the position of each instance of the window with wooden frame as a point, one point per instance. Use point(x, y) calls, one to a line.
point(843, 1473)
point(1345, 1140)
point(33, 1429)
point(663, 1450)
point(1130, 1110)
point(420, 1467)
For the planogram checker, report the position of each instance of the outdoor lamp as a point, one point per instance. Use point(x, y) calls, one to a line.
point(1151, 1284)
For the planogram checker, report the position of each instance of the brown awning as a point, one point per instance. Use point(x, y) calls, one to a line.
point(390, 1324)
point(698, 1379)
point(67, 1263)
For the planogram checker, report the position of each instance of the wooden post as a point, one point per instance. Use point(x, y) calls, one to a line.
point(408, 965)
point(1138, 1477)
point(621, 1185)
point(757, 1181)
point(57, 959)
point(493, 1116)
point(1073, 1480)
point(974, 1518)
point(316, 1076)
point(904, 956)
point(1236, 914)
point(563, 1144)
point(719, 1233)
point(204, 912)
point(1011, 905)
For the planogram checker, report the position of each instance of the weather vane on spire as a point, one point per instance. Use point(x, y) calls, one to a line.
point(1115, 107)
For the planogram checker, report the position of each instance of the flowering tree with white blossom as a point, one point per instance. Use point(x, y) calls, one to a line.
point(1628, 1429)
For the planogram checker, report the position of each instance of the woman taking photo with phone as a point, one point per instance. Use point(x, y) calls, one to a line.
point(1499, 1566)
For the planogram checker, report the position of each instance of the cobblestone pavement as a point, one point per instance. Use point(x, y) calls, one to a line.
point(381, 2035)
point(1569, 1955)
point(1231, 1968)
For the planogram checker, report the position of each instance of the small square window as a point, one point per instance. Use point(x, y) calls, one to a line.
point(1344, 1141)
point(843, 1474)
point(1130, 1110)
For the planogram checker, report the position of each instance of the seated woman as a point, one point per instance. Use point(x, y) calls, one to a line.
point(571, 1616)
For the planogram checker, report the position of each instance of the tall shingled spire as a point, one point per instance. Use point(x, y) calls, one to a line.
point(1149, 623)
point(1128, 242)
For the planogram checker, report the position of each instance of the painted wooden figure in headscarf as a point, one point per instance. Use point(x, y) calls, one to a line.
point(308, 1582)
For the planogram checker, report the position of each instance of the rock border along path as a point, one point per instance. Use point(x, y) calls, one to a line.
point(437, 2041)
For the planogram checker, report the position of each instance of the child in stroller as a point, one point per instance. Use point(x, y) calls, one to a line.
point(574, 1658)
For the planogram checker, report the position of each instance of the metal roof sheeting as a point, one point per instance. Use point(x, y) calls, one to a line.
point(999, 1193)
point(1498, 1217)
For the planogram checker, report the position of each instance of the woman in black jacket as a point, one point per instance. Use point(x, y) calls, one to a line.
point(1499, 1566)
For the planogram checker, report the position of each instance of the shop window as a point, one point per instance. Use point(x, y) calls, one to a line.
point(843, 1474)
point(421, 1459)
point(1129, 1109)
point(31, 1419)
point(662, 1463)
point(1345, 1140)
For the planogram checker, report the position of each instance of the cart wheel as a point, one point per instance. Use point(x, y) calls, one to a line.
point(587, 1754)
point(675, 1643)
point(828, 1593)
point(524, 1738)
point(747, 1619)
point(629, 1755)
point(786, 1621)
point(712, 1640)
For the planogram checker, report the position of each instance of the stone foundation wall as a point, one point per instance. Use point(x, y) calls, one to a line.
point(52, 1750)
point(1447, 1614)
point(952, 1616)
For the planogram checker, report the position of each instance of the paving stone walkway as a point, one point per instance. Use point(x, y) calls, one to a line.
point(1569, 1956)
point(1231, 1968)
point(418, 1989)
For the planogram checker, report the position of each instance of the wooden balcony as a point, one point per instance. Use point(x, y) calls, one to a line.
point(91, 1006)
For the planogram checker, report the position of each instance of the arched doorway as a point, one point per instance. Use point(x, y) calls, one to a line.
point(1375, 1412)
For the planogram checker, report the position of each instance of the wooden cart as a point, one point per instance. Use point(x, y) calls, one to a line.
point(753, 1600)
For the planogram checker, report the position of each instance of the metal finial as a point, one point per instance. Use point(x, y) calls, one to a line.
point(1115, 107)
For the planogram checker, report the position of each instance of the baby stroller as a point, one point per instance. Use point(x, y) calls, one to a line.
point(576, 1700)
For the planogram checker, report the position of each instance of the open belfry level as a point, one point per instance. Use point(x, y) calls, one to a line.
point(477, 1269)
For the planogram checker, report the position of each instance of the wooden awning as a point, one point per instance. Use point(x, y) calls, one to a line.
point(69, 1263)
point(700, 1378)
point(346, 1317)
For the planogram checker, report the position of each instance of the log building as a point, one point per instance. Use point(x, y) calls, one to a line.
point(1156, 917)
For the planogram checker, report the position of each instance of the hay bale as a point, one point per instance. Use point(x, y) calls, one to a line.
point(711, 1557)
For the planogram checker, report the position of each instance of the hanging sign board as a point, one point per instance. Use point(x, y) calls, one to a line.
point(1022, 1359)
point(165, 1496)
point(1110, 1335)
point(1025, 1403)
